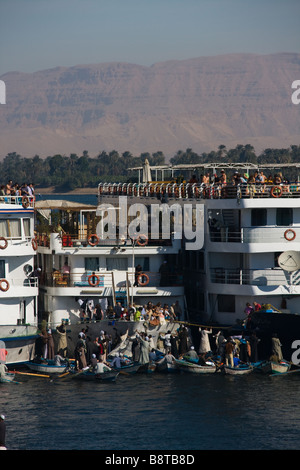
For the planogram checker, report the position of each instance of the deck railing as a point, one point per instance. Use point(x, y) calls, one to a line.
point(202, 191)
point(270, 234)
point(255, 277)
point(69, 240)
point(24, 201)
point(109, 279)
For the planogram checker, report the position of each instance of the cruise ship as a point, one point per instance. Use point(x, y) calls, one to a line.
point(18, 279)
point(247, 250)
point(82, 268)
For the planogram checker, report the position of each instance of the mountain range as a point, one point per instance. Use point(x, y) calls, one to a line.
point(197, 103)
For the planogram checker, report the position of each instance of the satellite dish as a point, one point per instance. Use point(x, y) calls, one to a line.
point(289, 261)
point(27, 269)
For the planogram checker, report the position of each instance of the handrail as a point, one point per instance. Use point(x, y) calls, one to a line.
point(202, 191)
point(103, 279)
point(254, 277)
point(24, 201)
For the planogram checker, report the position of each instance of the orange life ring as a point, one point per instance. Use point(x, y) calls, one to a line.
point(290, 238)
point(2, 247)
point(92, 282)
point(25, 202)
point(4, 281)
point(140, 242)
point(144, 283)
point(34, 243)
point(276, 191)
point(90, 240)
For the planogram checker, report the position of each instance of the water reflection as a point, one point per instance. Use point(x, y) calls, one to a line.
point(154, 412)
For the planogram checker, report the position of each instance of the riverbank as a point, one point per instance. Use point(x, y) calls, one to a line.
point(52, 190)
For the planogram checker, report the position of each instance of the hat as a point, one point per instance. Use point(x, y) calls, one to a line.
point(2, 417)
point(192, 347)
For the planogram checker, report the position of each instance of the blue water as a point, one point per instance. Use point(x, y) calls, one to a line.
point(82, 198)
point(153, 412)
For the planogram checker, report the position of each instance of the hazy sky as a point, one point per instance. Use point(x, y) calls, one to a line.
point(41, 34)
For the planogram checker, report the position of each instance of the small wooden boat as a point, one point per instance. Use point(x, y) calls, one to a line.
point(167, 367)
point(90, 376)
point(193, 368)
point(48, 367)
point(270, 367)
point(241, 369)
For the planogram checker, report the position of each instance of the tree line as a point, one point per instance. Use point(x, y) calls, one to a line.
point(71, 172)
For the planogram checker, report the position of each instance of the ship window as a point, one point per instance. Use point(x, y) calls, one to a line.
point(284, 216)
point(10, 228)
point(226, 303)
point(121, 264)
point(258, 217)
point(27, 227)
point(91, 264)
point(2, 269)
point(3, 228)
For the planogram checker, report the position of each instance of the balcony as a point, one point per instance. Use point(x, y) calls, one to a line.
point(255, 277)
point(269, 234)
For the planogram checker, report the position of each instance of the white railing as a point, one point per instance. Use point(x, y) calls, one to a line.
point(255, 277)
point(202, 191)
point(269, 234)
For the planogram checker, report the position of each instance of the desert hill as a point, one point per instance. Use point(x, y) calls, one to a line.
point(197, 103)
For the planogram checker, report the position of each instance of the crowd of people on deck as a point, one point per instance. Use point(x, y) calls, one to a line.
point(250, 184)
point(257, 177)
point(14, 192)
point(154, 314)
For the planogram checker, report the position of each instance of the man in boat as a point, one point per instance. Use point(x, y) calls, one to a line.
point(118, 361)
point(276, 347)
point(168, 358)
point(191, 355)
point(101, 367)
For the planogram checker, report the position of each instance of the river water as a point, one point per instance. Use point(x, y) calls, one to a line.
point(153, 412)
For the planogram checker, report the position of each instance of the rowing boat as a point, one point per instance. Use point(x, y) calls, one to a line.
point(270, 367)
point(90, 376)
point(48, 367)
point(195, 368)
point(242, 369)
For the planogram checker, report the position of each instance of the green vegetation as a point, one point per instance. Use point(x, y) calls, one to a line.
point(71, 172)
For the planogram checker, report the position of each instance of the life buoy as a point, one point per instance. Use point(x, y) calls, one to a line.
point(34, 243)
point(2, 247)
point(291, 237)
point(94, 280)
point(276, 191)
point(93, 236)
point(6, 285)
point(143, 279)
point(25, 202)
point(140, 241)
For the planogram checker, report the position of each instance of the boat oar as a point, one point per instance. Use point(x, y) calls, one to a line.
point(63, 375)
point(35, 375)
